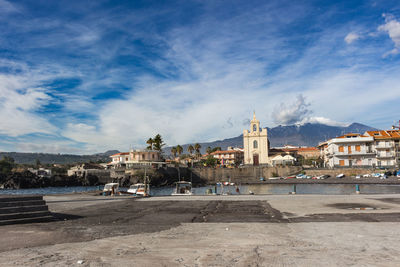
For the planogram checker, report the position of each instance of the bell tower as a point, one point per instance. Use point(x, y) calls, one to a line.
point(255, 144)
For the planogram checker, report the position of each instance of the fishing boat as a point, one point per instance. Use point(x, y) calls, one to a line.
point(139, 189)
point(110, 189)
point(182, 188)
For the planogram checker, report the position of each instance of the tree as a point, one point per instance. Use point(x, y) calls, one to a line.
point(209, 150)
point(190, 149)
point(218, 148)
point(173, 151)
point(150, 143)
point(6, 165)
point(211, 161)
point(197, 147)
point(158, 143)
point(179, 150)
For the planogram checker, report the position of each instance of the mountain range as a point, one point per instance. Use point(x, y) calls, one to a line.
point(309, 134)
point(298, 135)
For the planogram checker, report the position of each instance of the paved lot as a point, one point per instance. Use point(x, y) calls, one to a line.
point(298, 230)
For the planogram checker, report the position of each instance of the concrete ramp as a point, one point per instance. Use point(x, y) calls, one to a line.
point(23, 209)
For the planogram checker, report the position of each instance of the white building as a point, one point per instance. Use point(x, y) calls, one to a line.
point(255, 143)
point(386, 147)
point(134, 157)
point(349, 150)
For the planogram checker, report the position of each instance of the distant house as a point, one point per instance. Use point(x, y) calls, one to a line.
point(231, 156)
point(283, 160)
point(83, 169)
point(41, 172)
point(134, 158)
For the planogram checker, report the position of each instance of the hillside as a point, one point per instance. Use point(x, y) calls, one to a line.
point(45, 158)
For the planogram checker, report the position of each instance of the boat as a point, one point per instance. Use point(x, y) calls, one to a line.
point(139, 189)
point(182, 188)
point(110, 189)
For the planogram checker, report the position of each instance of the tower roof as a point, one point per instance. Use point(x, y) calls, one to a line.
point(254, 118)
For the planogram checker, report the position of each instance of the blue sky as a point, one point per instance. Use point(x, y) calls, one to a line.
point(88, 76)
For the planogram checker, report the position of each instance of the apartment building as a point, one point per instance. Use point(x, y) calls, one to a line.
point(386, 147)
point(349, 150)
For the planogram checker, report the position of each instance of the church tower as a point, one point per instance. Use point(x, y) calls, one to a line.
point(255, 143)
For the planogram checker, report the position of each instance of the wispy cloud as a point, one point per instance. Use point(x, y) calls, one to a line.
point(352, 37)
point(392, 28)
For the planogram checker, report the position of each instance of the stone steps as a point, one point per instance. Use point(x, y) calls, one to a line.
point(23, 209)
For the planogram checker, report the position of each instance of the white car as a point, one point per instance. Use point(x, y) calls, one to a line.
point(358, 176)
point(340, 175)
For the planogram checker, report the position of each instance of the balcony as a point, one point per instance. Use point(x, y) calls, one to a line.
point(355, 153)
point(385, 155)
point(384, 146)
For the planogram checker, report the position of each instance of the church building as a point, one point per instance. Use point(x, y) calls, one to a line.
point(255, 143)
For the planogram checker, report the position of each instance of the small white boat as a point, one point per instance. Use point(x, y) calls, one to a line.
point(138, 189)
point(110, 189)
point(182, 189)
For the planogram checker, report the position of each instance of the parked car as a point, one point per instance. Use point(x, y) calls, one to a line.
point(341, 175)
point(358, 176)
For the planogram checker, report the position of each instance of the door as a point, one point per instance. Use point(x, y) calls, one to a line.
point(349, 149)
point(341, 162)
point(255, 159)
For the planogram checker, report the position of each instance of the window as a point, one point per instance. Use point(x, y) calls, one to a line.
point(341, 162)
point(358, 148)
point(255, 144)
point(153, 156)
point(341, 149)
point(254, 128)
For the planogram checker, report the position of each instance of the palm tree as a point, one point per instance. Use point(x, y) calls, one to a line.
point(190, 149)
point(209, 150)
point(158, 143)
point(179, 149)
point(173, 151)
point(150, 142)
point(197, 147)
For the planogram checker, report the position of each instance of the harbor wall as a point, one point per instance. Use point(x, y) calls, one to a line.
point(244, 175)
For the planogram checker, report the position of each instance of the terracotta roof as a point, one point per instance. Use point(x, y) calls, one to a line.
point(308, 149)
point(226, 152)
point(351, 135)
point(390, 134)
point(299, 149)
point(120, 154)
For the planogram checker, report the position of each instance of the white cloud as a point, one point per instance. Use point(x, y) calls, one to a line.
point(392, 27)
point(291, 113)
point(351, 37)
point(18, 101)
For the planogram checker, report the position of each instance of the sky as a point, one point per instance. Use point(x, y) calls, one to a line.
point(83, 77)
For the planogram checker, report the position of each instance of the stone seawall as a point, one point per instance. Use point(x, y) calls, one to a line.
point(250, 174)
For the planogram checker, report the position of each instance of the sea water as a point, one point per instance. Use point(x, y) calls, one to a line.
point(258, 189)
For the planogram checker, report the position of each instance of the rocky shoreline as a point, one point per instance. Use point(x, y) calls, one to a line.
point(27, 179)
